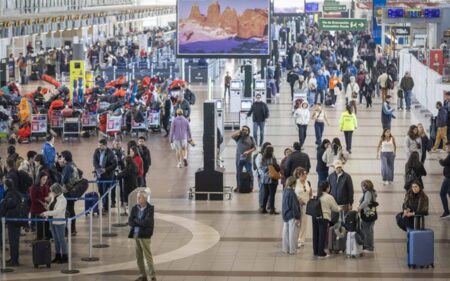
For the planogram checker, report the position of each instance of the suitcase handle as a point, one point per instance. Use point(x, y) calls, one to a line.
point(419, 222)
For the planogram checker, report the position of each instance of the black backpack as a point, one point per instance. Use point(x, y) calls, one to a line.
point(351, 222)
point(389, 83)
point(25, 181)
point(22, 210)
point(314, 208)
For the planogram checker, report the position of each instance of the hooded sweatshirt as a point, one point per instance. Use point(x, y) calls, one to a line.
point(302, 115)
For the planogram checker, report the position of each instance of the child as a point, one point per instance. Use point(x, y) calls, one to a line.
point(291, 217)
point(367, 208)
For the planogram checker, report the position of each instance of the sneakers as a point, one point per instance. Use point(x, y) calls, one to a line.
point(324, 257)
point(185, 162)
point(179, 165)
point(445, 215)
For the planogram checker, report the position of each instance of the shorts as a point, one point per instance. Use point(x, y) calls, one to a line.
point(180, 144)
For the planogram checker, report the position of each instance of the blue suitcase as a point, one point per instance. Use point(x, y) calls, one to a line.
point(91, 199)
point(420, 247)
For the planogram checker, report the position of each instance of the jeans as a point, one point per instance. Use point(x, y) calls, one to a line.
point(102, 189)
point(58, 232)
point(387, 166)
point(443, 193)
point(259, 125)
point(23, 76)
point(261, 193)
point(320, 227)
point(42, 229)
point(318, 129)
point(348, 140)
point(270, 189)
point(367, 231)
point(227, 88)
point(318, 93)
point(408, 95)
point(240, 164)
point(290, 235)
point(321, 176)
point(71, 211)
point(310, 97)
point(14, 240)
point(302, 134)
point(400, 103)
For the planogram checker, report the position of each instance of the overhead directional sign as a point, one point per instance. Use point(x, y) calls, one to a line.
point(334, 8)
point(343, 24)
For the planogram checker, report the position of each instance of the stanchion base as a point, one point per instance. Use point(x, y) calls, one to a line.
point(6, 270)
point(100, 246)
point(73, 271)
point(109, 234)
point(119, 224)
point(90, 259)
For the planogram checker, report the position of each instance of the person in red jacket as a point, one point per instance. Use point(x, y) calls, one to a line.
point(38, 197)
point(134, 152)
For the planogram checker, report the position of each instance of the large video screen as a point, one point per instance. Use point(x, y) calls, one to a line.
point(288, 7)
point(223, 28)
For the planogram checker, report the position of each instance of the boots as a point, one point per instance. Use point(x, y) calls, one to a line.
point(64, 259)
point(57, 258)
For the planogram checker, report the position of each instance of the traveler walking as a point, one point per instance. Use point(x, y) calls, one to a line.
point(245, 147)
point(286, 154)
point(407, 84)
point(445, 185)
point(386, 151)
point(351, 93)
point(341, 186)
point(292, 78)
point(334, 86)
point(256, 165)
point(413, 142)
point(227, 84)
point(414, 170)
point(268, 164)
point(57, 210)
point(333, 152)
point(260, 113)
point(348, 123)
point(302, 117)
point(146, 157)
point(141, 222)
point(303, 191)
point(415, 203)
point(320, 225)
point(387, 113)
point(322, 83)
point(367, 209)
point(297, 159)
point(426, 142)
point(441, 125)
point(320, 117)
point(312, 88)
point(291, 217)
point(321, 167)
point(367, 90)
point(385, 83)
point(180, 135)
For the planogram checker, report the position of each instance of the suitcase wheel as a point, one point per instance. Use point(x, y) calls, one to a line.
point(36, 266)
point(49, 265)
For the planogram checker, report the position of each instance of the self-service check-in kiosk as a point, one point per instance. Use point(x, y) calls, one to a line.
point(246, 105)
point(236, 88)
point(261, 88)
point(220, 129)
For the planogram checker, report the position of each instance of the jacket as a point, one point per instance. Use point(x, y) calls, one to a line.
point(321, 165)
point(295, 160)
point(302, 116)
point(180, 129)
point(260, 112)
point(407, 84)
point(321, 82)
point(146, 158)
point(59, 210)
point(146, 224)
point(417, 203)
point(263, 170)
point(413, 145)
point(387, 112)
point(348, 122)
point(329, 157)
point(37, 195)
point(49, 153)
point(441, 118)
point(109, 165)
point(351, 87)
point(446, 164)
point(366, 199)
point(328, 205)
point(129, 175)
point(290, 208)
point(13, 176)
point(341, 188)
point(10, 206)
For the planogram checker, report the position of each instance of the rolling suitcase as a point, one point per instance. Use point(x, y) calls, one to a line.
point(91, 199)
point(269, 95)
point(420, 247)
point(42, 252)
point(353, 249)
point(245, 183)
point(337, 243)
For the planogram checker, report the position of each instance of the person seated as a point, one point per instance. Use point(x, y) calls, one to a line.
point(415, 204)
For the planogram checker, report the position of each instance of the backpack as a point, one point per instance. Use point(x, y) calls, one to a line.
point(78, 188)
point(314, 208)
point(25, 181)
point(138, 117)
point(351, 221)
point(23, 210)
point(389, 83)
point(410, 176)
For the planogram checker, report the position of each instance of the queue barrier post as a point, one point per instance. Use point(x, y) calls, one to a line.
point(90, 258)
point(119, 223)
point(100, 210)
point(4, 269)
point(69, 269)
point(109, 233)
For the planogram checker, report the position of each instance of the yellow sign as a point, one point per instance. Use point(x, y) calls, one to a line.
point(77, 79)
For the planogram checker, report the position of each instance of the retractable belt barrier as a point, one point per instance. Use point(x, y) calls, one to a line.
point(90, 211)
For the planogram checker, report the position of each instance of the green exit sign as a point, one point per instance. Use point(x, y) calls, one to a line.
point(334, 8)
point(343, 24)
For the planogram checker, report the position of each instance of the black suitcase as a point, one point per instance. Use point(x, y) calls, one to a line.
point(42, 252)
point(269, 95)
point(245, 183)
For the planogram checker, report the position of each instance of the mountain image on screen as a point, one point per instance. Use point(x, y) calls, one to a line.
point(224, 31)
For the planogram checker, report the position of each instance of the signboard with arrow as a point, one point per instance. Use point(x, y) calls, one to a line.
point(343, 24)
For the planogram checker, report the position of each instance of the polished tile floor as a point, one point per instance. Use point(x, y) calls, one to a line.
point(230, 240)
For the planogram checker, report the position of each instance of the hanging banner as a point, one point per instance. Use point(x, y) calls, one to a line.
point(437, 60)
point(77, 81)
point(376, 26)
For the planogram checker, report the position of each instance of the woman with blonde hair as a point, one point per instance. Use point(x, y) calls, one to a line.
point(303, 191)
point(426, 142)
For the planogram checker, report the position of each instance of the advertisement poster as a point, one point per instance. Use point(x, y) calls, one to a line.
point(437, 60)
point(39, 124)
point(288, 7)
point(77, 80)
point(223, 28)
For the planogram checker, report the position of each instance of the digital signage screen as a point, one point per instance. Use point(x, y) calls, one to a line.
point(311, 7)
point(223, 28)
point(288, 7)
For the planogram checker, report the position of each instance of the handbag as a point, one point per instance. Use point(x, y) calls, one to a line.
point(354, 94)
point(273, 173)
point(370, 215)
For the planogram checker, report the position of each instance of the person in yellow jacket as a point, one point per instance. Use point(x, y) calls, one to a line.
point(348, 124)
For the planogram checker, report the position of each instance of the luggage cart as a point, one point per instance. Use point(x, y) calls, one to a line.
point(89, 121)
point(154, 120)
point(113, 125)
point(139, 127)
point(56, 121)
point(71, 128)
point(39, 126)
